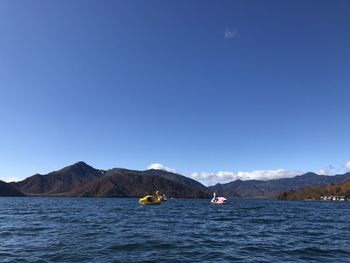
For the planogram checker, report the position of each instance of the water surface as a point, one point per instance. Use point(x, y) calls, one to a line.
point(121, 230)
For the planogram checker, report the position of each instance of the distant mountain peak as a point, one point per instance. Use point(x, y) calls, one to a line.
point(81, 166)
point(309, 174)
point(64, 180)
point(81, 162)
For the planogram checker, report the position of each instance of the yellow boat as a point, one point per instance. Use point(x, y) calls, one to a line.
point(150, 200)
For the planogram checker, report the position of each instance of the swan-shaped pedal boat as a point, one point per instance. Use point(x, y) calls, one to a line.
point(218, 200)
point(150, 200)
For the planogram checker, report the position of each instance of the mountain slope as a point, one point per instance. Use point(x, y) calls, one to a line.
point(128, 183)
point(315, 192)
point(237, 188)
point(81, 179)
point(7, 189)
point(59, 182)
point(176, 178)
point(271, 188)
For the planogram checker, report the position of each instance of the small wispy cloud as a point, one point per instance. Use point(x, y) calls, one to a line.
point(230, 33)
point(329, 170)
point(159, 166)
point(347, 165)
point(209, 178)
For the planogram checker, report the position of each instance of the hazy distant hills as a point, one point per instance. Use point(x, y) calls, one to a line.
point(271, 188)
point(7, 189)
point(82, 180)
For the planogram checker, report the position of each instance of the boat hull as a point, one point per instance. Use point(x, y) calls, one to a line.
point(149, 200)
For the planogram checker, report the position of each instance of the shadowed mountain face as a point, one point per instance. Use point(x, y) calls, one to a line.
point(176, 178)
point(271, 188)
point(7, 189)
point(127, 183)
point(60, 182)
point(81, 179)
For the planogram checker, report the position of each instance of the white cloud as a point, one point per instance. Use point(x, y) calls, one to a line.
point(159, 166)
point(330, 170)
point(10, 179)
point(230, 34)
point(323, 172)
point(347, 165)
point(208, 178)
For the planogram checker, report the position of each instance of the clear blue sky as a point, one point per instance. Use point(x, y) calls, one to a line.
point(194, 85)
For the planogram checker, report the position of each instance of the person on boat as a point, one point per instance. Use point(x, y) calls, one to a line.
point(163, 198)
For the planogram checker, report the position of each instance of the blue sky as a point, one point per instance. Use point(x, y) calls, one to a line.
point(202, 87)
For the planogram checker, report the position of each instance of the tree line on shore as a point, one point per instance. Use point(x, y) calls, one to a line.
point(317, 192)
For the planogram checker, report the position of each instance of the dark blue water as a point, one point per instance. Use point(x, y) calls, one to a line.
point(121, 230)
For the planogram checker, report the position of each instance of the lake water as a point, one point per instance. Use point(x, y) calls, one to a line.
point(121, 230)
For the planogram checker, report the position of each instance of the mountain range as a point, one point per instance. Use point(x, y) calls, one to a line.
point(272, 188)
point(82, 180)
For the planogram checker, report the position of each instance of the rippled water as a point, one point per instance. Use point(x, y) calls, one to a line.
point(121, 230)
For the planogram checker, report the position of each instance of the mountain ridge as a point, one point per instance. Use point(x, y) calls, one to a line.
point(272, 188)
point(83, 180)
